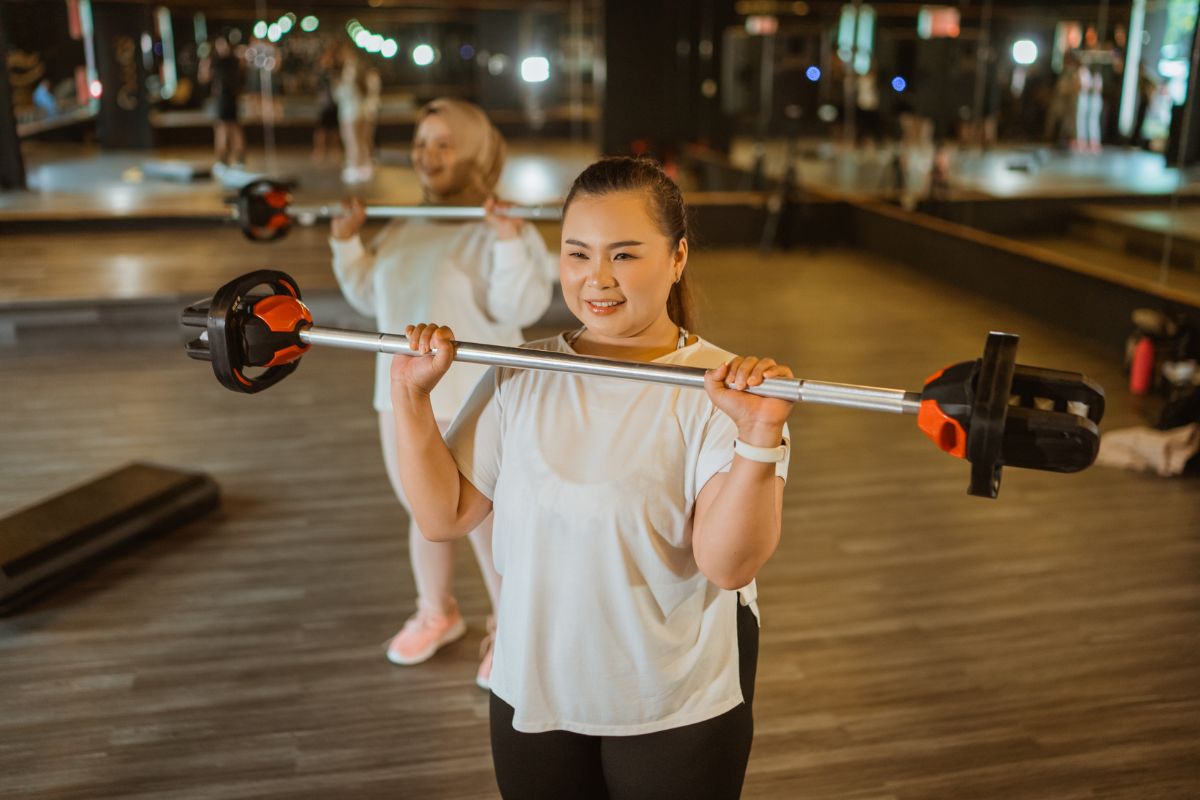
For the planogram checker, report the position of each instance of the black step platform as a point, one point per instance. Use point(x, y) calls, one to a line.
point(43, 545)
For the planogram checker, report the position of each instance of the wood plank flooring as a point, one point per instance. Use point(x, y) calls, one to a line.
point(127, 266)
point(917, 643)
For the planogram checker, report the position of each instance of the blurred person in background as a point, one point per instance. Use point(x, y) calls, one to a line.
point(1089, 105)
point(1060, 121)
point(44, 99)
point(868, 121)
point(326, 141)
point(357, 95)
point(223, 71)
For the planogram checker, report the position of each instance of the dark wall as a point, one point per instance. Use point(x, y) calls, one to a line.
point(655, 66)
point(794, 97)
point(41, 30)
point(124, 119)
point(12, 168)
point(1183, 145)
point(498, 33)
point(947, 85)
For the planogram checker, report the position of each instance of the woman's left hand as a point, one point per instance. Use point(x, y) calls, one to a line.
point(757, 418)
point(506, 228)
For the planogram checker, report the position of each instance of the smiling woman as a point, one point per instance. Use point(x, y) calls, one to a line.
point(617, 270)
point(457, 152)
point(645, 222)
point(630, 520)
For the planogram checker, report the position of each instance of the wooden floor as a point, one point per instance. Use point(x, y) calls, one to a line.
point(134, 265)
point(917, 643)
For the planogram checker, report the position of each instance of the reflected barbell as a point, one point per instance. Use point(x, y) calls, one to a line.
point(265, 211)
point(991, 411)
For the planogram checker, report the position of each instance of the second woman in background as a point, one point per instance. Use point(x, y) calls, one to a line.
point(489, 278)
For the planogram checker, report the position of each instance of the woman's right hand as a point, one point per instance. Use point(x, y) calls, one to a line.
point(420, 373)
point(351, 220)
point(506, 228)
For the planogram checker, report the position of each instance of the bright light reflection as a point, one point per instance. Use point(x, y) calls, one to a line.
point(1024, 52)
point(530, 180)
point(422, 55)
point(535, 69)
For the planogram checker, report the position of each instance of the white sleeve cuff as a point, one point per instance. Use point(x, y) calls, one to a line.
point(509, 254)
point(347, 250)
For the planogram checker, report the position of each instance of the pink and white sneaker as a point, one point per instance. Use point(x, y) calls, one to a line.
point(422, 635)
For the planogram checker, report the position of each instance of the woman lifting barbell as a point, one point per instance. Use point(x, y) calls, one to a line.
point(630, 520)
point(489, 277)
point(631, 517)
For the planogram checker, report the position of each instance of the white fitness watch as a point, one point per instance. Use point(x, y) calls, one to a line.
point(763, 455)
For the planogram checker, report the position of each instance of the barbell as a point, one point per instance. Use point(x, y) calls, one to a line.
point(991, 411)
point(265, 211)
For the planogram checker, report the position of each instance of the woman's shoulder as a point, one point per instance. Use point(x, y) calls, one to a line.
point(392, 232)
point(554, 344)
point(528, 378)
point(700, 353)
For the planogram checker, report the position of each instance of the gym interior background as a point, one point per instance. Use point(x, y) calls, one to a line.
point(196, 582)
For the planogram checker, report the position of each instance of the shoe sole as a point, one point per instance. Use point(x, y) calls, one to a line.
point(455, 633)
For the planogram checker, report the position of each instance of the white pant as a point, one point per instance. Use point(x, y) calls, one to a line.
point(1087, 117)
point(433, 562)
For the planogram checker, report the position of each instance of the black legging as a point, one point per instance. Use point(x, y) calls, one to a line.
point(704, 761)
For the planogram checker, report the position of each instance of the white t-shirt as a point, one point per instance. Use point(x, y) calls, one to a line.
point(456, 274)
point(605, 626)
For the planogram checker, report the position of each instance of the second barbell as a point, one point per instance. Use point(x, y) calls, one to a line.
point(265, 211)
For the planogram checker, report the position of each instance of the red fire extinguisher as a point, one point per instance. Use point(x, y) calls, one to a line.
point(1141, 369)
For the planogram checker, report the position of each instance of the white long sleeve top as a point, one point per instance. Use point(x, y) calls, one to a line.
point(458, 274)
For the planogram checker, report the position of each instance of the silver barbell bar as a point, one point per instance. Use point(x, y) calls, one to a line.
point(308, 215)
point(795, 390)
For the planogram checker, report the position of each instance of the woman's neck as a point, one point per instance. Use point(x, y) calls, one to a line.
point(655, 341)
